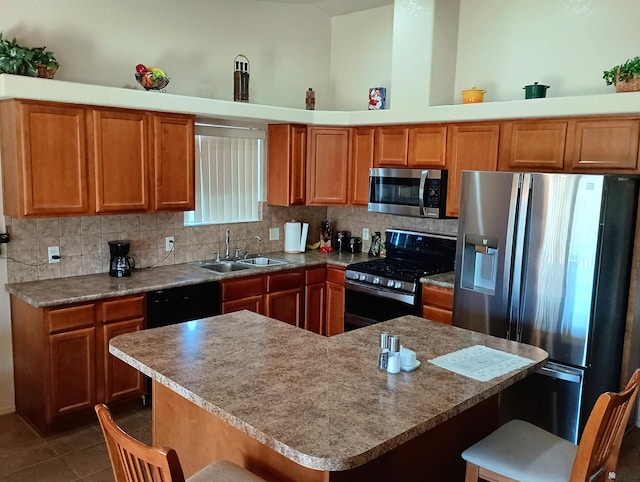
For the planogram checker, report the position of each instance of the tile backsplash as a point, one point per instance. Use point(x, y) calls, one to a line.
point(84, 249)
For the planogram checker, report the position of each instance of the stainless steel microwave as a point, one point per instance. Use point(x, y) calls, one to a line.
point(408, 192)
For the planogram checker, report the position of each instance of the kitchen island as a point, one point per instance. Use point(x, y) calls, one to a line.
point(292, 405)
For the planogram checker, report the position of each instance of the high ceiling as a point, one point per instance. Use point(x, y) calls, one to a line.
point(338, 7)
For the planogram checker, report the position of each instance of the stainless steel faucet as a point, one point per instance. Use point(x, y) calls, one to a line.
point(226, 242)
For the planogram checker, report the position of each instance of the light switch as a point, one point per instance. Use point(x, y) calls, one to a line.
point(274, 234)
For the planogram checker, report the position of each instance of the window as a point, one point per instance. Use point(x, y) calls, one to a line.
point(228, 175)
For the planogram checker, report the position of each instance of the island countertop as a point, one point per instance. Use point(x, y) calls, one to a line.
point(320, 402)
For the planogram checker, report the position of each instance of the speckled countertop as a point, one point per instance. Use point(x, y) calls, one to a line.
point(444, 280)
point(255, 373)
point(80, 289)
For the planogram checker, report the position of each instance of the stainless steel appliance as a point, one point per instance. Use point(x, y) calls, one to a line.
point(544, 259)
point(385, 288)
point(120, 263)
point(408, 192)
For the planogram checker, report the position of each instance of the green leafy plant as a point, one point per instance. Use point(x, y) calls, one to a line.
point(44, 57)
point(15, 59)
point(623, 72)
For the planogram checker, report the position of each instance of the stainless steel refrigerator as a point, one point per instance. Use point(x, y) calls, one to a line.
point(545, 259)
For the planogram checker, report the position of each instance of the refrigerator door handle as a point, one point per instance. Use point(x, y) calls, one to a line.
point(519, 198)
point(554, 371)
point(423, 182)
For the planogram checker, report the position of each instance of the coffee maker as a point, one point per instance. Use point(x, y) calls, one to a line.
point(120, 264)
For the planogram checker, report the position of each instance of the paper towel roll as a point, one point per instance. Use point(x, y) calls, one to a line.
point(292, 232)
point(303, 237)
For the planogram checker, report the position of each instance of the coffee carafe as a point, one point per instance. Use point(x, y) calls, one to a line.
point(121, 263)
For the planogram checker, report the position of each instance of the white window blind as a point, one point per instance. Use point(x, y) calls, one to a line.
point(228, 175)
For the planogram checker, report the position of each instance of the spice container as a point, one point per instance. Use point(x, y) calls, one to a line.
point(393, 361)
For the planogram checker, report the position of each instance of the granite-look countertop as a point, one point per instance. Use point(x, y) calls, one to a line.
point(444, 280)
point(80, 289)
point(321, 402)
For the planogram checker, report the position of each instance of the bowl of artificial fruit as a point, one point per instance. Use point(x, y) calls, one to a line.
point(151, 78)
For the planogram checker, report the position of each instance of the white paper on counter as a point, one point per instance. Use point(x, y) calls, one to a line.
point(481, 362)
point(303, 237)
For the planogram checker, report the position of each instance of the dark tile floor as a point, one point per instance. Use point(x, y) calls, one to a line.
point(80, 454)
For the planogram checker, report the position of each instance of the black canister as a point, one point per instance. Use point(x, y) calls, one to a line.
point(535, 91)
point(355, 245)
point(342, 241)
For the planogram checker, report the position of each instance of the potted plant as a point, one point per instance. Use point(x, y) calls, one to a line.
point(624, 76)
point(44, 62)
point(15, 59)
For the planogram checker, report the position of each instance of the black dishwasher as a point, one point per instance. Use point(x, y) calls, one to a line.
point(182, 303)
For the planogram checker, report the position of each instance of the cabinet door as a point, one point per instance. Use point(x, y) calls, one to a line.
point(251, 303)
point(533, 145)
point(285, 306)
point(604, 145)
point(173, 163)
point(328, 165)
point(121, 381)
point(72, 372)
point(335, 301)
point(315, 296)
point(427, 146)
point(286, 155)
point(45, 166)
point(437, 303)
point(391, 147)
point(469, 147)
point(120, 160)
point(361, 161)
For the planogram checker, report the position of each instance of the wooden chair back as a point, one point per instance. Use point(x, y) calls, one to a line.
point(597, 455)
point(133, 461)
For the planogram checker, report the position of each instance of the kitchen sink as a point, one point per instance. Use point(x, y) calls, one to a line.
point(224, 267)
point(261, 261)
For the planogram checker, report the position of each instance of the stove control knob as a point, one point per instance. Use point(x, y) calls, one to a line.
point(363, 277)
point(397, 284)
point(390, 283)
point(376, 280)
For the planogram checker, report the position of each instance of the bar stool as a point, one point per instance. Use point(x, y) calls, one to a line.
point(133, 461)
point(520, 451)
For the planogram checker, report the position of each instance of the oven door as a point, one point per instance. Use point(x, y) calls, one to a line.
point(366, 305)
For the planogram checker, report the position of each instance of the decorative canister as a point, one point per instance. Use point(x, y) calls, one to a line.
point(241, 79)
point(472, 95)
point(535, 91)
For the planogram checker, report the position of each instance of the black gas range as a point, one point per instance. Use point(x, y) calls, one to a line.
point(385, 288)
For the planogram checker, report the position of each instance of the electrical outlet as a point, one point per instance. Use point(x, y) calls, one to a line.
point(53, 253)
point(274, 234)
point(365, 234)
point(169, 243)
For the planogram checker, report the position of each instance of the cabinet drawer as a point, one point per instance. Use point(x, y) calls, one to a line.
point(288, 280)
point(335, 275)
point(64, 319)
point(437, 314)
point(122, 308)
point(242, 288)
point(437, 296)
point(314, 276)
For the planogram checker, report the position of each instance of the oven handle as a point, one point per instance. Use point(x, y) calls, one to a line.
point(380, 292)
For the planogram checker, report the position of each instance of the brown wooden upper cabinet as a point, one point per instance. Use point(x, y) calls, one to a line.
point(533, 145)
point(392, 145)
point(363, 145)
point(427, 146)
point(286, 159)
point(119, 153)
point(63, 159)
point(603, 144)
point(472, 146)
point(328, 161)
point(173, 163)
point(44, 159)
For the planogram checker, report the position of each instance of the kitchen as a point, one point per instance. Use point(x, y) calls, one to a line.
point(376, 49)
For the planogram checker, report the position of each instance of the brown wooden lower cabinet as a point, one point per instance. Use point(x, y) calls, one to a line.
point(243, 294)
point(62, 364)
point(315, 298)
point(437, 303)
point(335, 300)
